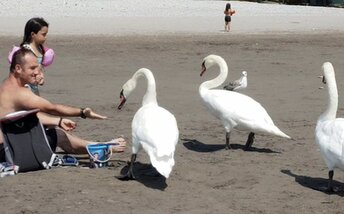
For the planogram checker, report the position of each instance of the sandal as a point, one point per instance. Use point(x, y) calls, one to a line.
point(66, 160)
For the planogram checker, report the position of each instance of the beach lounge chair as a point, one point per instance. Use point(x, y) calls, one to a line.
point(25, 142)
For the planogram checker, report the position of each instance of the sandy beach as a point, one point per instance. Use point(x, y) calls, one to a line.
point(277, 176)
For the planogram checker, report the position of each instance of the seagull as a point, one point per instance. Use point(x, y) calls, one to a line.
point(239, 84)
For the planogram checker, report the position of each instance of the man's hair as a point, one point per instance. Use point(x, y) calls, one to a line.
point(18, 58)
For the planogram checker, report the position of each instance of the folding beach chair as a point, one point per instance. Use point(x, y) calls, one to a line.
point(25, 142)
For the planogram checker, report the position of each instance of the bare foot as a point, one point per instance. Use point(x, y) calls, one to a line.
point(122, 144)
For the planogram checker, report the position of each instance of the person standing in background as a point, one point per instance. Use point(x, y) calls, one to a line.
point(228, 17)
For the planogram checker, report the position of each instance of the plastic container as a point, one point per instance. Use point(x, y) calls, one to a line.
point(99, 154)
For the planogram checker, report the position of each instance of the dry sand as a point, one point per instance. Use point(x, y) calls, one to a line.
point(278, 176)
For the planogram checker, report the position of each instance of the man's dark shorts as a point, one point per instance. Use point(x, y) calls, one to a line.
point(51, 136)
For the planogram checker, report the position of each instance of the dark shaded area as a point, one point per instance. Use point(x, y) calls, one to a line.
point(197, 146)
point(318, 184)
point(147, 175)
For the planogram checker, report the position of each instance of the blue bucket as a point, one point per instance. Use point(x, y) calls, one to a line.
point(99, 155)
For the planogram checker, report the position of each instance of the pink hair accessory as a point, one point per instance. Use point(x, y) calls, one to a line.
point(10, 54)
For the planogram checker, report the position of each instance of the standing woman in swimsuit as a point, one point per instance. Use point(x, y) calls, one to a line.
point(228, 13)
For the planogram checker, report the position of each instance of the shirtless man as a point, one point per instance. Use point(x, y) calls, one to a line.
point(14, 96)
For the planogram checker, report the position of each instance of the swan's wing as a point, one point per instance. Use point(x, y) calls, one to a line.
point(330, 136)
point(155, 127)
point(236, 107)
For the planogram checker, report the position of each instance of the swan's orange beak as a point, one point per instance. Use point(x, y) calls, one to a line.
point(203, 69)
point(122, 100)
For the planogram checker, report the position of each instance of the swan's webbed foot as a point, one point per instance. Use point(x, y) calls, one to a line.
point(249, 141)
point(228, 147)
point(130, 173)
point(126, 177)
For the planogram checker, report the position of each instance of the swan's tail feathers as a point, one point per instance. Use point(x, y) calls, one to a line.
point(279, 133)
point(163, 164)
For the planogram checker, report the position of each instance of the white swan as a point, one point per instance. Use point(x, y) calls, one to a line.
point(329, 131)
point(235, 110)
point(239, 84)
point(153, 128)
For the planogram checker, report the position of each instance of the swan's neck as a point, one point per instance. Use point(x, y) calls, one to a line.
point(150, 95)
point(221, 78)
point(332, 104)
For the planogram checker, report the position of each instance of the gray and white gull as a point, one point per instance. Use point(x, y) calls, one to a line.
point(239, 84)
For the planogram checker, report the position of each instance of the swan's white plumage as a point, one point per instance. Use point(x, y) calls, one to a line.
point(239, 84)
point(153, 128)
point(330, 138)
point(329, 131)
point(235, 110)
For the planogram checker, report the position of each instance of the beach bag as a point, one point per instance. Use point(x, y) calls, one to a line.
point(25, 142)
